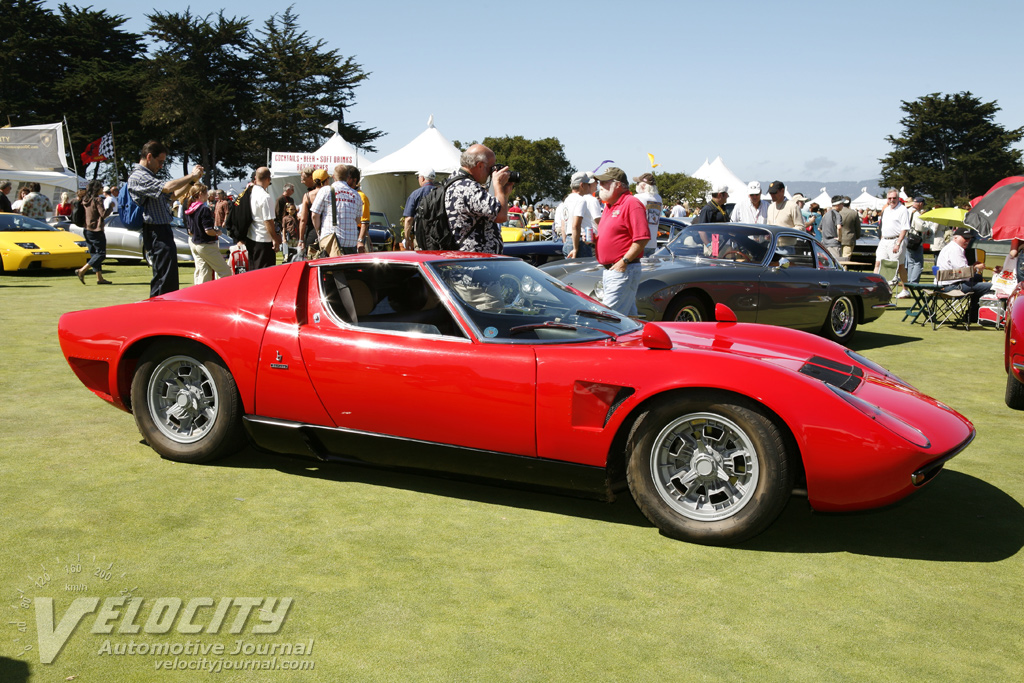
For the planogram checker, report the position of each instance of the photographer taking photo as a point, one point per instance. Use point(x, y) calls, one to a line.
point(473, 213)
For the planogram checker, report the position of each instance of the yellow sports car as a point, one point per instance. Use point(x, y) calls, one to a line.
point(27, 244)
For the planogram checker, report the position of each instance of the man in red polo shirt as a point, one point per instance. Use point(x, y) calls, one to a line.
point(620, 240)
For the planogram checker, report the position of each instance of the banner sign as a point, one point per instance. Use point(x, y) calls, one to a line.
point(32, 148)
point(284, 162)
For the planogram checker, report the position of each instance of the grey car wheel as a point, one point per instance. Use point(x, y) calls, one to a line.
point(841, 321)
point(186, 403)
point(687, 309)
point(709, 468)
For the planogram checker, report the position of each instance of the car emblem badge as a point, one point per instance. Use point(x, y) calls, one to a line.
point(491, 332)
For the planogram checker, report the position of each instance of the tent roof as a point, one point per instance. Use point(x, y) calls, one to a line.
point(823, 200)
point(867, 201)
point(333, 152)
point(429, 149)
point(717, 173)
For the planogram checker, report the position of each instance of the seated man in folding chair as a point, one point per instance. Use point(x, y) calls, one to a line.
point(953, 258)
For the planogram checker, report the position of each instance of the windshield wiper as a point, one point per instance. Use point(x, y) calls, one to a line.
point(598, 315)
point(536, 326)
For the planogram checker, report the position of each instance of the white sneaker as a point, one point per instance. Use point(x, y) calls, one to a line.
point(904, 294)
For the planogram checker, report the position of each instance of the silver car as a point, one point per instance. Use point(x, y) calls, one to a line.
point(126, 243)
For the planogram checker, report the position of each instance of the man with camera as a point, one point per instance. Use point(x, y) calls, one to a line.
point(473, 213)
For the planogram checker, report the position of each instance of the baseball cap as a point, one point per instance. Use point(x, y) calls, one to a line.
point(963, 232)
point(919, 199)
point(753, 187)
point(321, 175)
point(837, 199)
point(613, 173)
point(427, 173)
point(776, 186)
point(718, 188)
point(799, 198)
point(644, 178)
point(582, 177)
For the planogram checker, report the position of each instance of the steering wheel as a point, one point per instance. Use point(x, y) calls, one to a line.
point(735, 255)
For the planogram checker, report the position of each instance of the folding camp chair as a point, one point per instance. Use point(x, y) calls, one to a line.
point(951, 308)
point(890, 271)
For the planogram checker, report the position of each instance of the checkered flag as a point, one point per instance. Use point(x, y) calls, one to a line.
point(107, 146)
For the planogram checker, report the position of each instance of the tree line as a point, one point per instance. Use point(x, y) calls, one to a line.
point(217, 90)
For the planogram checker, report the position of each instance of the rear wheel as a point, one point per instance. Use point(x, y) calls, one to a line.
point(841, 321)
point(687, 308)
point(1014, 392)
point(709, 469)
point(186, 403)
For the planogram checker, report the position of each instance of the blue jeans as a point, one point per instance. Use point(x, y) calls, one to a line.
point(585, 250)
point(915, 264)
point(97, 243)
point(620, 289)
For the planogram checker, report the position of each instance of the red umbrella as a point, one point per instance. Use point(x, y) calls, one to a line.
point(1000, 211)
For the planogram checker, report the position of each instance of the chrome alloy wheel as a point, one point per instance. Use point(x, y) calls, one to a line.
point(182, 398)
point(705, 466)
point(689, 314)
point(842, 317)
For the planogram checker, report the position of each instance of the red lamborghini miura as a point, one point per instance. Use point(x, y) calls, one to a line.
point(486, 367)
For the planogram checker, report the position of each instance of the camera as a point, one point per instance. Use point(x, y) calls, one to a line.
point(513, 176)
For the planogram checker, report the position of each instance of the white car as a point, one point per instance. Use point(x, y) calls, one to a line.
point(126, 243)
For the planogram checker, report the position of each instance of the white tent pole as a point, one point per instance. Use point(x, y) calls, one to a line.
point(67, 132)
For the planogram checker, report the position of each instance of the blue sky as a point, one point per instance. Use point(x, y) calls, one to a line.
point(788, 90)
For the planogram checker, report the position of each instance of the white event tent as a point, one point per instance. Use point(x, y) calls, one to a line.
point(824, 200)
point(36, 154)
point(867, 201)
point(285, 167)
point(389, 181)
point(717, 173)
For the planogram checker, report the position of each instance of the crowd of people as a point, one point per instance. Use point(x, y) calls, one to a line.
point(599, 216)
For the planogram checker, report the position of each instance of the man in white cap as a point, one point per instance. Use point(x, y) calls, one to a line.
point(426, 179)
point(647, 192)
point(714, 210)
point(577, 218)
point(753, 211)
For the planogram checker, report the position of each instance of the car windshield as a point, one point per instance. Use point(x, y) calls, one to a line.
point(10, 222)
point(511, 301)
point(722, 241)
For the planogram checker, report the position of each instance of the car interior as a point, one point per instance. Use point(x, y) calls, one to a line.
point(394, 298)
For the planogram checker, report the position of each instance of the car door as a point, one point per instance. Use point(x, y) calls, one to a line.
point(401, 380)
point(794, 295)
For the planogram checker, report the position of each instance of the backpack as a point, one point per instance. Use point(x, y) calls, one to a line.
point(128, 210)
point(239, 216)
point(238, 259)
point(431, 227)
point(78, 213)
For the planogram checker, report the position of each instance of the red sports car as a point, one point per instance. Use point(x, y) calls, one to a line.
point(1014, 350)
point(486, 367)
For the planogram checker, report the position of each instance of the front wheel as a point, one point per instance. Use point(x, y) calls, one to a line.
point(709, 469)
point(186, 403)
point(1014, 392)
point(687, 309)
point(841, 321)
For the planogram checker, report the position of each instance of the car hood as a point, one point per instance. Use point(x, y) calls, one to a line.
point(57, 240)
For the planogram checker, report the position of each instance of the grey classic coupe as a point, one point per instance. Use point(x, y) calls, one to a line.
point(765, 274)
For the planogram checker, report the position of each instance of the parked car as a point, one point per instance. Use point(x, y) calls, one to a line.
point(515, 378)
point(766, 274)
point(1013, 352)
point(124, 242)
point(381, 232)
point(535, 253)
point(27, 244)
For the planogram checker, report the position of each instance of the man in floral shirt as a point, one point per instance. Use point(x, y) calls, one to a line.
point(36, 205)
point(473, 214)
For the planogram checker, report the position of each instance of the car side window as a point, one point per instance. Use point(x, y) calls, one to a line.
point(824, 259)
point(387, 297)
point(799, 251)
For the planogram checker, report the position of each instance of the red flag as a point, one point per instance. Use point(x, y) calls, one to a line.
point(92, 152)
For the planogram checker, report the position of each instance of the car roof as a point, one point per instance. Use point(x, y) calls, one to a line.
point(405, 257)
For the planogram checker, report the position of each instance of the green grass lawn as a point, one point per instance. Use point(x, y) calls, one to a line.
point(398, 577)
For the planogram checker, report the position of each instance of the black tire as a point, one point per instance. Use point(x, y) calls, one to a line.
point(675, 471)
point(186, 403)
point(1014, 392)
point(687, 308)
point(841, 322)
